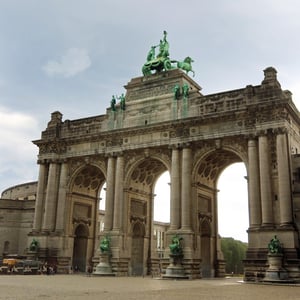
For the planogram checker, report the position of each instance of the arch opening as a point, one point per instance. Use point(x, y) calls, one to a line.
point(143, 206)
point(162, 198)
point(84, 213)
point(233, 211)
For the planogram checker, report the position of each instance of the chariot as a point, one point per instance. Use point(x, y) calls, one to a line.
point(158, 64)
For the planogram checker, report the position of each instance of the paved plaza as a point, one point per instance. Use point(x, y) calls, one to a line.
point(67, 287)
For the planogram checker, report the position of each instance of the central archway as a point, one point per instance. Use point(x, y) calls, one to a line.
point(142, 179)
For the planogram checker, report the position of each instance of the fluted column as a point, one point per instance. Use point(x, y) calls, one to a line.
point(39, 202)
point(175, 191)
point(186, 180)
point(51, 199)
point(284, 181)
point(119, 189)
point(110, 186)
point(61, 202)
point(253, 185)
point(265, 181)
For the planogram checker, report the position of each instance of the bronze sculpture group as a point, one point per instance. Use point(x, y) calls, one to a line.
point(162, 61)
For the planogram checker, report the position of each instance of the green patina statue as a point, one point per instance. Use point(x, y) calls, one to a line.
point(34, 245)
point(113, 103)
point(186, 65)
point(122, 102)
point(185, 90)
point(275, 246)
point(105, 245)
point(176, 91)
point(162, 62)
point(175, 246)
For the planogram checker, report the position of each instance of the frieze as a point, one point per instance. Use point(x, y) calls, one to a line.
point(149, 92)
point(57, 147)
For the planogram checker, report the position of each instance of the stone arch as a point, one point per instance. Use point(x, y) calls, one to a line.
point(135, 163)
point(87, 177)
point(210, 164)
point(206, 173)
point(83, 212)
point(140, 181)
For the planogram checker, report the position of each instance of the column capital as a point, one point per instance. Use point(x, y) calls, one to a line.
point(175, 146)
point(280, 130)
point(251, 137)
point(42, 161)
point(262, 132)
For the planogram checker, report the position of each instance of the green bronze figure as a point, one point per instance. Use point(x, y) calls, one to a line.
point(161, 61)
point(186, 65)
point(175, 246)
point(151, 54)
point(176, 91)
point(185, 91)
point(275, 246)
point(158, 62)
point(113, 103)
point(105, 245)
point(163, 47)
point(34, 245)
point(122, 102)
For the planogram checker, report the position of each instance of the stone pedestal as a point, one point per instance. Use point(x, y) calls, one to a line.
point(32, 255)
point(175, 270)
point(275, 272)
point(104, 267)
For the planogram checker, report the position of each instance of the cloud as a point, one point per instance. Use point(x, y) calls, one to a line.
point(18, 159)
point(74, 61)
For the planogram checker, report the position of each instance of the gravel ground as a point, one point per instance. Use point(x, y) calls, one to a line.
point(67, 287)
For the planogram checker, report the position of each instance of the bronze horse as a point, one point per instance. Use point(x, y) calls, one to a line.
point(186, 65)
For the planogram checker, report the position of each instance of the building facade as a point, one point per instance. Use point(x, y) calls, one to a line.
point(192, 136)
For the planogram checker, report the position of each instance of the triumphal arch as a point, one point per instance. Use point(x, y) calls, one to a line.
point(164, 123)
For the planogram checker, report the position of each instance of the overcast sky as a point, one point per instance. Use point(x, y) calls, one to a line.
point(72, 55)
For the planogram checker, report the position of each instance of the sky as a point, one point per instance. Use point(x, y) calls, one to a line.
point(73, 55)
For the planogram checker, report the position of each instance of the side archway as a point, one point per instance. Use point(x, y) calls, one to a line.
point(83, 223)
point(206, 175)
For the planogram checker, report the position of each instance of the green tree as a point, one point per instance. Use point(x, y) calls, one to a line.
point(234, 252)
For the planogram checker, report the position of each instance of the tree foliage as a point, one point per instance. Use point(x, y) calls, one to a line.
point(234, 252)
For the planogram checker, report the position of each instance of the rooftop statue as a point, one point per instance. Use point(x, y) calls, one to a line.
point(162, 62)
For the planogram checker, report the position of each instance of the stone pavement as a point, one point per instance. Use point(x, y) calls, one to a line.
point(67, 287)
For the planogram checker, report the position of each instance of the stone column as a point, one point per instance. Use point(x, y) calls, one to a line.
point(119, 189)
point(253, 185)
point(61, 202)
point(186, 180)
point(110, 186)
point(175, 190)
point(265, 181)
point(51, 199)
point(39, 202)
point(284, 181)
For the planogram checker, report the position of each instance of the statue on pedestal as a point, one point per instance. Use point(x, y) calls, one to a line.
point(104, 266)
point(34, 245)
